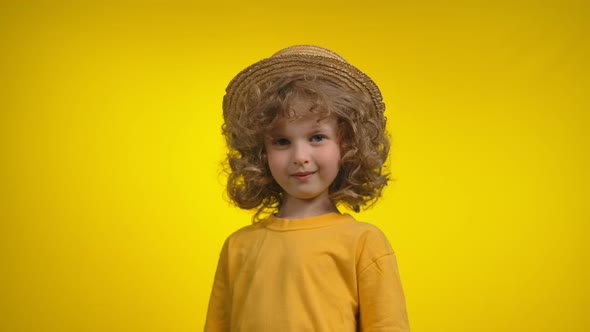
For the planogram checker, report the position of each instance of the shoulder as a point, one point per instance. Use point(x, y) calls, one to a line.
point(248, 229)
point(369, 234)
point(372, 244)
point(245, 234)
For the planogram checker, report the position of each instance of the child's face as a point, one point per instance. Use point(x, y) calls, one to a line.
point(304, 154)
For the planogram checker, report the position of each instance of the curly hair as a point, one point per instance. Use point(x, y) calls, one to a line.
point(364, 142)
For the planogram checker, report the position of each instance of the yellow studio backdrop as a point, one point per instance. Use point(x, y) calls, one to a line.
point(112, 209)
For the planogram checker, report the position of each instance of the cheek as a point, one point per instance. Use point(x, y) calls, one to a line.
point(331, 157)
point(274, 160)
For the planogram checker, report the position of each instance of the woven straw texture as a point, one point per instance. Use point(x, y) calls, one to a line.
point(300, 59)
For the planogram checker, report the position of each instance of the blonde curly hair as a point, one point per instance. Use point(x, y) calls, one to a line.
point(364, 142)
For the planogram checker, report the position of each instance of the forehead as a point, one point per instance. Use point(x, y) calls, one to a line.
point(304, 119)
point(298, 108)
point(299, 112)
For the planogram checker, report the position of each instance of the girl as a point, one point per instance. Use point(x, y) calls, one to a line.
point(306, 134)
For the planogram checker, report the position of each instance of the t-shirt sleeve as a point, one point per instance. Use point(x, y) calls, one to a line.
point(382, 303)
point(219, 311)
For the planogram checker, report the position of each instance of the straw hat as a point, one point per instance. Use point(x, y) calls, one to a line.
point(301, 59)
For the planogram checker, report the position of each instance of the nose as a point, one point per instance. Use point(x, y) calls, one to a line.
point(301, 154)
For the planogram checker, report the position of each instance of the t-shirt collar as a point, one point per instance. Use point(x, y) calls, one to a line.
point(329, 219)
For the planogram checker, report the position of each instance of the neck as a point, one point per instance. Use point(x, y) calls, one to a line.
point(294, 208)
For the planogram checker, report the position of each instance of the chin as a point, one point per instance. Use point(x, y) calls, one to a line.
point(306, 197)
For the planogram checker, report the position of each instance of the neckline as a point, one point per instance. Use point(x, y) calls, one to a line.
point(325, 220)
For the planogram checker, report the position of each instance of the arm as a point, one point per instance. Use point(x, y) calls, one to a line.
point(382, 305)
point(219, 311)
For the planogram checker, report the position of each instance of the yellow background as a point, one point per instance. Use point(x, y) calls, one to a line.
point(112, 209)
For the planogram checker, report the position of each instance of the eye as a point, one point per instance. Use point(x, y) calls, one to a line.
point(317, 138)
point(281, 141)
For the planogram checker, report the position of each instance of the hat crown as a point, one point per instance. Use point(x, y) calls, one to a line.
point(312, 50)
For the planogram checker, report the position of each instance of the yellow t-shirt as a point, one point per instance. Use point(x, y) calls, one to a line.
point(323, 273)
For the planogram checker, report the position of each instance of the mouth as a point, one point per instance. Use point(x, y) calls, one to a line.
point(302, 175)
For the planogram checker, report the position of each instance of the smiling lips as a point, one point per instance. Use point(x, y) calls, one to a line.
point(302, 175)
